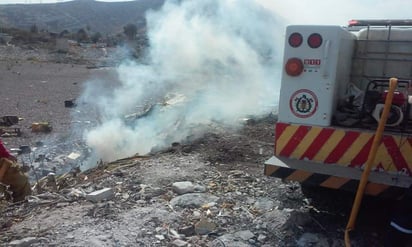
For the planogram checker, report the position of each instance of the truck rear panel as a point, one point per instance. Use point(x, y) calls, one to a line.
point(333, 157)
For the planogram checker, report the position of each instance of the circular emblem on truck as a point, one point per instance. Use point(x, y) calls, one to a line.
point(303, 103)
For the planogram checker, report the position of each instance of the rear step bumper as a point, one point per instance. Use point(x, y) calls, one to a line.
point(334, 176)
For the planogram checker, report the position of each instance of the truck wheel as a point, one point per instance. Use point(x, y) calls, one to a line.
point(326, 197)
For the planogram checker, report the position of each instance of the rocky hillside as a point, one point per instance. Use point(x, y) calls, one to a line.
point(103, 17)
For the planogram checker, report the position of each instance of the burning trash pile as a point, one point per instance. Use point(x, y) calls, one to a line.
point(42, 159)
point(48, 156)
point(219, 69)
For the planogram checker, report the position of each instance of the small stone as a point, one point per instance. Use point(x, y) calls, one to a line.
point(262, 238)
point(183, 187)
point(125, 196)
point(24, 242)
point(264, 204)
point(310, 239)
point(187, 230)
point(199, 189)
point(179, 243)
point(160, 237)
point(103, 238)
point(229, 240)
point(244, 235)
point(100, 195)
point(193, 200)
point(174, 233)
point(148, 192)
point(209, 205)
point(204, 227)
point(62, 204)
point(197, 214)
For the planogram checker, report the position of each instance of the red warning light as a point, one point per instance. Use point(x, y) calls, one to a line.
point(315, 40)
point(294, 66)
point(295, 39)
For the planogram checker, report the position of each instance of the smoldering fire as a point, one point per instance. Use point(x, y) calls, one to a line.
point(221, 56)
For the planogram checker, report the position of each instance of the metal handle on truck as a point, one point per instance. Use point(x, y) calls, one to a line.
point(325, 61)
point(393, 82)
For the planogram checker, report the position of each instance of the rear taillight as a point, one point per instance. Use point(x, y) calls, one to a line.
point(295, 39)
point(294, 67)
point(315, 40)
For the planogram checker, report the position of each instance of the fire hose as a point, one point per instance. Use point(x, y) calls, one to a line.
point(393, 82)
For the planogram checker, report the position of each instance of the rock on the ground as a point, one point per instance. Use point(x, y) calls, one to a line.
point(24, 242)
point(100, 195)
point(275, 219)
point(204, 226)
point(244, 235)
point(193, 200)
point(262, 238)
point(264, 204)
point(187, 187)
point(229, 240)
point(183, 187)
point(179, 243)
point(311, 239)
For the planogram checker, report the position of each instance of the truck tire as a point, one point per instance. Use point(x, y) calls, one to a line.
point(16, 180)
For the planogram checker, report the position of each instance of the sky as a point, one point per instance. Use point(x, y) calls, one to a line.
point(48, 1)
point(335, 12)
point(338, 12)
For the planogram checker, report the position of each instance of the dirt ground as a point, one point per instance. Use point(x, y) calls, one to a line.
point(232, 203)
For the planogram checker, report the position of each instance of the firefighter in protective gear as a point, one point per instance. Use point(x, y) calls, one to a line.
point(12, 176)
point(399, 232)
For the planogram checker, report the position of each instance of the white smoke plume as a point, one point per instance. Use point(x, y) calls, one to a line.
point(209, 61)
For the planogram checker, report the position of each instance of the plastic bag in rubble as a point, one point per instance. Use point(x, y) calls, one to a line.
point(356, 96)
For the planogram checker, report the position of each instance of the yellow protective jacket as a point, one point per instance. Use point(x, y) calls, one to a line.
point(14, 178)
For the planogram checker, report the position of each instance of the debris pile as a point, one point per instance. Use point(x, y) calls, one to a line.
point(192, 203)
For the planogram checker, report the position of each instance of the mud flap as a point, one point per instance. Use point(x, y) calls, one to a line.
point(335, 176)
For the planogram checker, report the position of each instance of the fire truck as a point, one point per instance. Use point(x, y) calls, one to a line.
point(335, 86)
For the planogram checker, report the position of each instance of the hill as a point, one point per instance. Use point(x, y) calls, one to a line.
point(103, 17)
